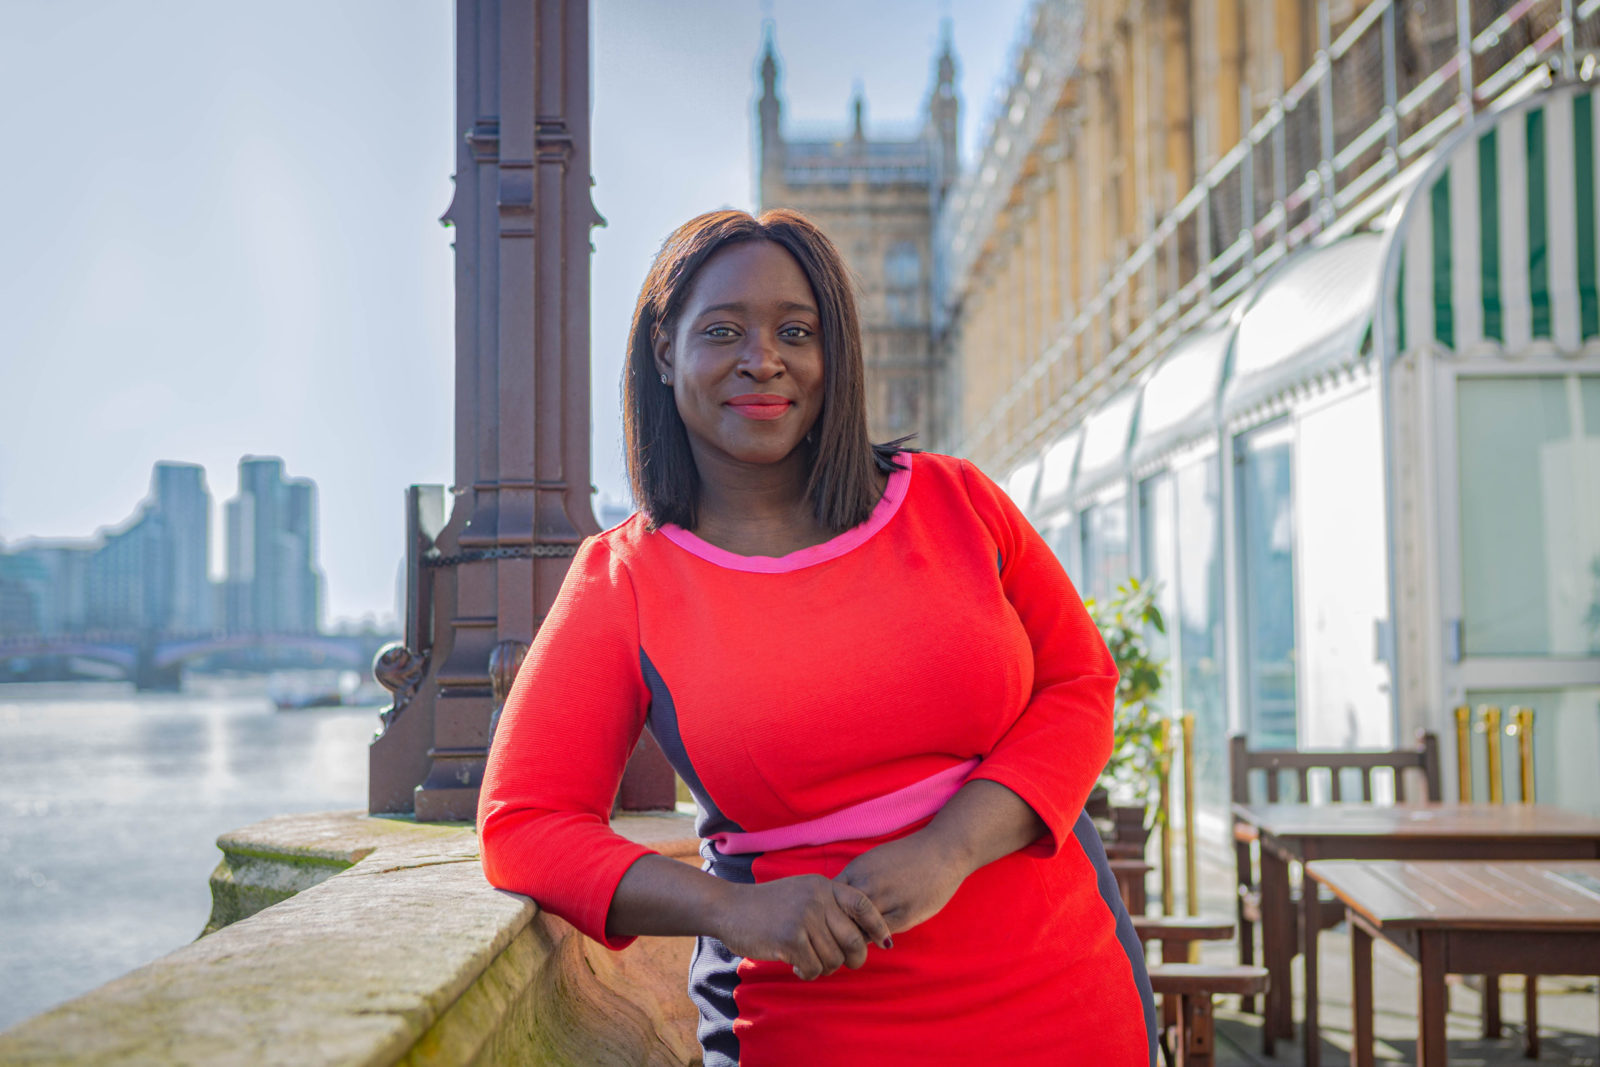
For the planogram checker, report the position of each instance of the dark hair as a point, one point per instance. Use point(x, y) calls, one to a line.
point(843, 484)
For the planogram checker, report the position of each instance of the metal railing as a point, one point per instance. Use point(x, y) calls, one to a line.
point(1381, 93)
point(1043, 58)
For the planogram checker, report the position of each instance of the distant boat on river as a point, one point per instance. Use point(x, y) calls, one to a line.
point(305, 690)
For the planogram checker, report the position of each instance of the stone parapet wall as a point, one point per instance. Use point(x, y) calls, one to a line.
point(382, 945)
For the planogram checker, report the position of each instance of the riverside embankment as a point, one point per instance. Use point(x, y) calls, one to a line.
point(385, 946)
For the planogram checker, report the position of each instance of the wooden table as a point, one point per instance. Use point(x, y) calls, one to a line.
point(1463, 917)
point(1301, 833)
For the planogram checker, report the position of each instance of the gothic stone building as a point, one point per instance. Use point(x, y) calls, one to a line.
point(877, 198)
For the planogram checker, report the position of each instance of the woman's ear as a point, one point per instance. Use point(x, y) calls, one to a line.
point(661, 348)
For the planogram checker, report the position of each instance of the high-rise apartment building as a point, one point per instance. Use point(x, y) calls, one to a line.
point(19, 609)
point(47, 588)
point(128, 576)
point(876, 197)
point(273, 584)
point(238, 583)
point(151, 573)
point(183, 505)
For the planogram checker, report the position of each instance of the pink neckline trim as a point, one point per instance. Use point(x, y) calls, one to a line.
point(893, 494)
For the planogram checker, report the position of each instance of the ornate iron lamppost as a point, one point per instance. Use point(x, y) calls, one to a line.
point(479, 582)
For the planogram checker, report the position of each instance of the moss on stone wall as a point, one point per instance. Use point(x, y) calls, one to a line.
point(243, 883)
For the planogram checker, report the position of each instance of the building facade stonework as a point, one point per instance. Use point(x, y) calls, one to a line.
point(876, 196)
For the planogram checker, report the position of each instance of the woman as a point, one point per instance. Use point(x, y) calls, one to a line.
point(876, 679)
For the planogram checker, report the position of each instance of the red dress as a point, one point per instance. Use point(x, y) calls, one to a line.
point(786, 689)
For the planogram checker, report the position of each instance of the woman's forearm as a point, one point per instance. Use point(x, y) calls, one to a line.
point(666, 898)
point(981, 823)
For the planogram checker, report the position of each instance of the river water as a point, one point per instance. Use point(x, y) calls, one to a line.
point(111, 802)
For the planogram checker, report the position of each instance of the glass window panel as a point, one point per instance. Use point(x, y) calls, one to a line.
point(1087, 552)
point(1589, 387)
point(1057, 533)
point(1198, 624)
point(1019, 484)
point(1530, 516)
point(1566, 746)
point(1105, 546)
point(1341, 590)
point(1057, 475)
point(1266, 530)
point(1158, 568)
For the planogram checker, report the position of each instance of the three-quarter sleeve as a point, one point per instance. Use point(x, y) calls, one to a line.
point(1054, 752)
point(569, 724)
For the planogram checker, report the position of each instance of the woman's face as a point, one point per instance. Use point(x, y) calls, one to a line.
point(745, 356)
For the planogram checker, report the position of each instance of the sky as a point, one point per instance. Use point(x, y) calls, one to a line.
point(223, 238)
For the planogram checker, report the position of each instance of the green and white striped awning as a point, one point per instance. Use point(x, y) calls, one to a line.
point(1499, 247)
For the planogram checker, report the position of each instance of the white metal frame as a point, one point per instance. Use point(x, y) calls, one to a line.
point(1447, 98)
point(1461, 674)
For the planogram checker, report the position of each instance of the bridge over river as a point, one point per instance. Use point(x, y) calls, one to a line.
point(156, 661)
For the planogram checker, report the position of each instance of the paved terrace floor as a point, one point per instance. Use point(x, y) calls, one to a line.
point(1569, 1008)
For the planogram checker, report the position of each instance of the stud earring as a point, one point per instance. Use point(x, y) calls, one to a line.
point(664, 380)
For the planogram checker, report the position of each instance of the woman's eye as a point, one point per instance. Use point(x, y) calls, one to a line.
point(720, 332)
point(796, 333)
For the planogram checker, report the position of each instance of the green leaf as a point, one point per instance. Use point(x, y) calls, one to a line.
point(1140, 747)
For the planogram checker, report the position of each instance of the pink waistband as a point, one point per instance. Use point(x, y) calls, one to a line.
point(870, 818)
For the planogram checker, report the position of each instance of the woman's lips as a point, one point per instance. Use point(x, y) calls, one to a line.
point(760, 407)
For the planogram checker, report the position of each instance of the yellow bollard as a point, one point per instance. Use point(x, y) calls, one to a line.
point(1464, 754)
point(1165, 818)
point(1491, 731)
point(1191, 876)
point(1523, 724)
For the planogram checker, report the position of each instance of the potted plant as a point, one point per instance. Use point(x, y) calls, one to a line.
point(1141, 750)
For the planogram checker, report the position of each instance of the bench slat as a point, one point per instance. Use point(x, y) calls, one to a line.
point(1202, 979)
point(1181, 928)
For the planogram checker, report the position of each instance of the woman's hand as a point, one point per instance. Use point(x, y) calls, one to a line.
point(813, 924)
point(912, 878)
point(909, 880)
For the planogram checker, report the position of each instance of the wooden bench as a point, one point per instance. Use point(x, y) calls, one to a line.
point(1247, 766)
point(1130, 874)
point(1176, 933)
point(1186, 989)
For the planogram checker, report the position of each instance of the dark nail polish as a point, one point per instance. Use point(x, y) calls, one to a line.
point(888, 942)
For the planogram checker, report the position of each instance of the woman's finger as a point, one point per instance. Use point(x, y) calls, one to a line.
point(847, 935)
point(863, 912)
point(803, 958)
point(827, 949)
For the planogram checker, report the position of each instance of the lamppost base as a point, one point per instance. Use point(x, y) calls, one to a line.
point(446, 805)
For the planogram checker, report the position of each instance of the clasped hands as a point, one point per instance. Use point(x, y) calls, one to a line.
point(817, 925)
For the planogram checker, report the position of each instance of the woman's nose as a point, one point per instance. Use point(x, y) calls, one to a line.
point(760, 359)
